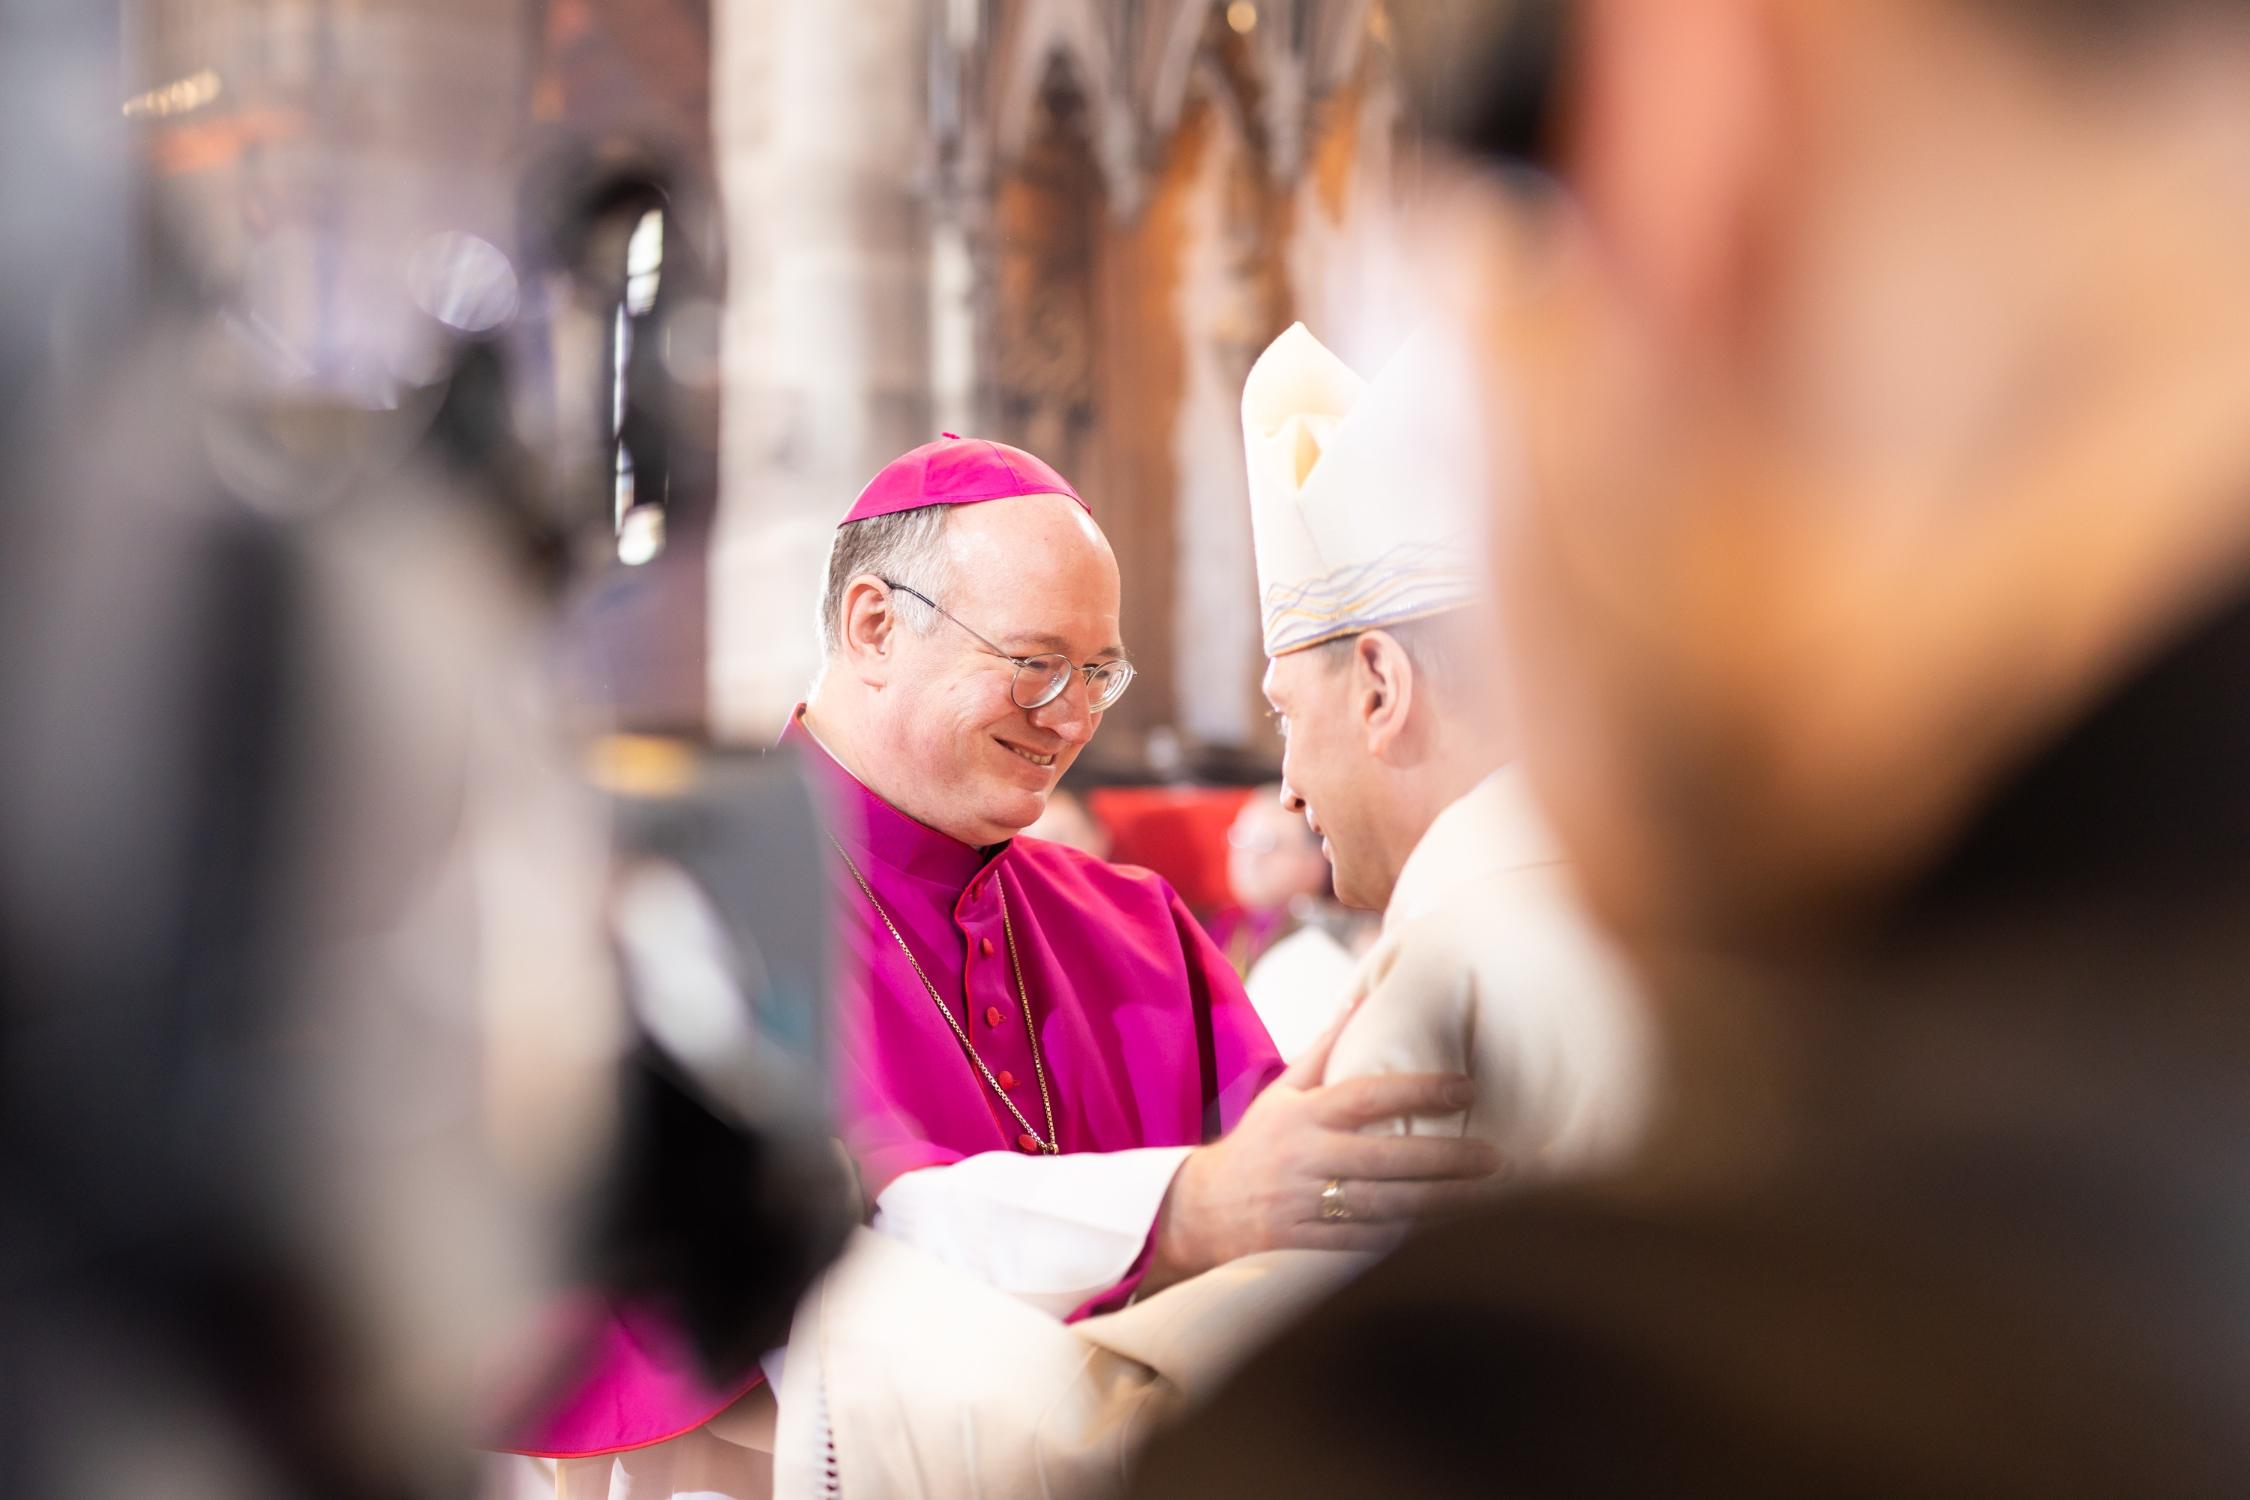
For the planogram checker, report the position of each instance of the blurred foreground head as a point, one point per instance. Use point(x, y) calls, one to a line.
point(317, 1072)
point(1885, 373)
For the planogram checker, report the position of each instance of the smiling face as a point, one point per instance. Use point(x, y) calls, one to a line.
point(1031, 574)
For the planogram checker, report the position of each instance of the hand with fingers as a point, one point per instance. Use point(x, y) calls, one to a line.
point(1297, 1171)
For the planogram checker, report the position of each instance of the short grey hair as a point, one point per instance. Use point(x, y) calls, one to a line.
point(907, 546)
point(1441, 647)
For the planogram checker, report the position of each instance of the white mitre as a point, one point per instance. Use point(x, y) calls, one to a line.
point(1363, 495)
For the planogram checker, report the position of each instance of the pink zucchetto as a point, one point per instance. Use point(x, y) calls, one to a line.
point(956, 470)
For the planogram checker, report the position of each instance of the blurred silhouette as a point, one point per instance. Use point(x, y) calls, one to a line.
point(1287, 937)
point(1274, 864)
point(320, 1072)
point(1878, 607)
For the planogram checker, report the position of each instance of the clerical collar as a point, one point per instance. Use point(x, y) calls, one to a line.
point(874, 830)
point(1495, 826)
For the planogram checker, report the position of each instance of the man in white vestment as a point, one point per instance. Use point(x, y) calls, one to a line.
point(908, 1379)
point(1393, 713)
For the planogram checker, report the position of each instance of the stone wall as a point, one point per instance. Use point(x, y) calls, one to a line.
point(1066, 224)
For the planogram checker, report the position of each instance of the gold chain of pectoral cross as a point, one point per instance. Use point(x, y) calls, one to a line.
point(1049, 1143)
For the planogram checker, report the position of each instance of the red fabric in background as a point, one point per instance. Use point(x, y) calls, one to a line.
point(1179, 832)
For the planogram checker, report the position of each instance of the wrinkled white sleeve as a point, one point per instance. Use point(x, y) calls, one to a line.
point(1054, 1231)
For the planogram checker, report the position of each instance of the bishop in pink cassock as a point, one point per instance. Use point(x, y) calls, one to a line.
point(1027, 1132)
point(1146, 1039)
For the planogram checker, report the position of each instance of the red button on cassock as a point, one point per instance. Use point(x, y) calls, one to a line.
point(1026, 1143)
point(992, 1015)
point(1007, 1079)
point(986, 945)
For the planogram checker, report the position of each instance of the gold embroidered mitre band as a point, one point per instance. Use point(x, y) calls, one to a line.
point(1363, 495)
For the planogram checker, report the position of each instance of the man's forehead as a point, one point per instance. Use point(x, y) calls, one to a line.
point(1282, 676)
point(1040, 586)
point(1033, 642)
point(1028, 625)
point(1050, 529)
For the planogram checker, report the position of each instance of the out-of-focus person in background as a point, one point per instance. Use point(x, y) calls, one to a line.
point(1274, 868)
point(1285, 935)
point(1885, 370)
point(319, 1075)
point(1064, 820)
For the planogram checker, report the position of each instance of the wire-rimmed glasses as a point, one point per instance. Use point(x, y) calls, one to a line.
point(1041, 679)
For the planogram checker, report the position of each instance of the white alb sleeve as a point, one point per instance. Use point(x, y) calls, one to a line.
point(1054, 1231)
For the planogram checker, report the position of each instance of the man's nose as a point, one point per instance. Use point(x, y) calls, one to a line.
point(1069, 716)
point(1290, 799)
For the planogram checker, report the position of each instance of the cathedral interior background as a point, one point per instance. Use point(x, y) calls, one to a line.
point(743, 253)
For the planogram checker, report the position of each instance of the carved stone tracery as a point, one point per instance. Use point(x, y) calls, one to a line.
point(1124, 201)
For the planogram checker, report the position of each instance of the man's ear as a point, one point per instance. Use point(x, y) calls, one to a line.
point(1680, 134)
point(869, 625)
point(1382, 691)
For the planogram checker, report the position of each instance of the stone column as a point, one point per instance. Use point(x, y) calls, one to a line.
point(819, 115)
point(1227, 306)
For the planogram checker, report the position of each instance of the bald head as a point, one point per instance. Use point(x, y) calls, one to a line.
point(1041, 561)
